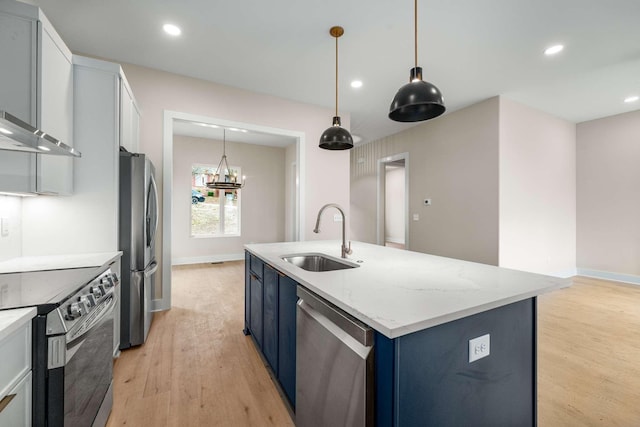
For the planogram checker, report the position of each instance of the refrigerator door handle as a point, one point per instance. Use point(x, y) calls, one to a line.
point(155, 211)
point(149, 271)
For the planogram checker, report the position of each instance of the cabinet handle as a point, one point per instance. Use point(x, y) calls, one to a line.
point(6, 400)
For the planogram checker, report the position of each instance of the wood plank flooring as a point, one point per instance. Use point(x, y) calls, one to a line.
point(198, 369)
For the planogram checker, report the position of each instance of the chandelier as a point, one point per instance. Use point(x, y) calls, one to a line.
point(224, 179)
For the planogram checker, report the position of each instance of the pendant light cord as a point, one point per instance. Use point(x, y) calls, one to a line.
point(336, 76)
point(415, 26)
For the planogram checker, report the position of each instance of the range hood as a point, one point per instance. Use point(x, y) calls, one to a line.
point(16, 135)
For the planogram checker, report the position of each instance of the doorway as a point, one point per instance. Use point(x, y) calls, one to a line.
point(393, 201)
point(171, 118)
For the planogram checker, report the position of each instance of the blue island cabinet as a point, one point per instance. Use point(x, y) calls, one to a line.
point(425, 378)
point(270, 316)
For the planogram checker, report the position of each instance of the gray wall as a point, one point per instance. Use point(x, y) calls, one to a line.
point(608, 202)
point(454, 161)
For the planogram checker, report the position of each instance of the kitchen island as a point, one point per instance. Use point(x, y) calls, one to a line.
point(425, 310)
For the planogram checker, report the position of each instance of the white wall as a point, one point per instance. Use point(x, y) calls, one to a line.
point(262, 199)
point(394, 215)
point(608, 159)
point(537, 191)
point(11, 210)
point(454, 161)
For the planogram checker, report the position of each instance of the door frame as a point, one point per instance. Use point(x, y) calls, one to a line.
point(381, 187)
point(169, 116)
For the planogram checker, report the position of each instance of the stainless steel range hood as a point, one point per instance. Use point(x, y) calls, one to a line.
point(16, 135)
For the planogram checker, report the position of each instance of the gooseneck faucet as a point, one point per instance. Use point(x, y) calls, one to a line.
point(345, 250)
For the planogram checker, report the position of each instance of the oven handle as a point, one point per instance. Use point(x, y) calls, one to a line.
point(95, 322)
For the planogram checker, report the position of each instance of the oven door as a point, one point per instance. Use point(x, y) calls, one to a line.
point(89, 368)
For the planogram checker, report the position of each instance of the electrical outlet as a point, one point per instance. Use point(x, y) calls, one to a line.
point(416, 217)
point(427, 202)
point(337, 218)
point(479, 347)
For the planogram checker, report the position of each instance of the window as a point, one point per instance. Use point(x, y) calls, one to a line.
point(214, 213)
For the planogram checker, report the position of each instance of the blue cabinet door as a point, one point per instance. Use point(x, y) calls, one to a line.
point(287, 300)
point(270, 326)
point(256, 308)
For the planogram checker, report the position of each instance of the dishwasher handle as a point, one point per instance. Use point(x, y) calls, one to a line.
point(349, 324)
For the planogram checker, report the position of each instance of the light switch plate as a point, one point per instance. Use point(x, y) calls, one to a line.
point(416, 217)
point(479, 347)
point(4, 227)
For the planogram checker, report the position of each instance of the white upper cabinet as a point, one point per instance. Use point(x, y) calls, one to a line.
point(36, 85)
point(129, 118)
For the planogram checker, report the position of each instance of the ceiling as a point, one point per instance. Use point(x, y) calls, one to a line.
point(470, 49)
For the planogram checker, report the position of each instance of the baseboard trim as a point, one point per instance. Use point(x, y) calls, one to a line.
point(607, 275)
point(208, 259)
point(399, 241)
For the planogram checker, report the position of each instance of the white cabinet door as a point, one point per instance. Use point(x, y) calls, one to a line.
point(129, 119)
point(55, 110)
point(18, 41)
point(16, 411)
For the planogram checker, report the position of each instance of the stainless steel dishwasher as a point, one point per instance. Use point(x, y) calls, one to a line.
point(334, 366)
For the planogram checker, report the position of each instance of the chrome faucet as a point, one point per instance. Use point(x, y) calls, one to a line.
point(345, 250)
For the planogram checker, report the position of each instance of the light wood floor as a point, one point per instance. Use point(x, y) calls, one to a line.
point(198, 369)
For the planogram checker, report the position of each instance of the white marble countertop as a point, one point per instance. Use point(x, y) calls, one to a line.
point(11, 320)
point(57, 262)
point(398, 292)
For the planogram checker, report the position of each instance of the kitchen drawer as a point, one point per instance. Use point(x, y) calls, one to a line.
point(256, 266)
point(15, 407)
point(15, 357)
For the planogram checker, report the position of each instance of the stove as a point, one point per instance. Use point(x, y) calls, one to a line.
point(72, 341)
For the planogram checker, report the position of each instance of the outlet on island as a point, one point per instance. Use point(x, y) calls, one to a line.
point(479, 347)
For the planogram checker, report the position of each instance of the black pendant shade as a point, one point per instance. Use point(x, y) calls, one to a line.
point(336, 137)
point(417, 100)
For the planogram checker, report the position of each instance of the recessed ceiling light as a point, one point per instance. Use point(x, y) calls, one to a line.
point(172, 30)
point(630, 99)
point(207, 125)
point(552, 50)
point(356, 84)
point(5, 131)
point(43, 148)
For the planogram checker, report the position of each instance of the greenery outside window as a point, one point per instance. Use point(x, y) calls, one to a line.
point(214, 213)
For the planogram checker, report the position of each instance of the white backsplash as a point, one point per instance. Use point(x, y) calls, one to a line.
point(11, 215)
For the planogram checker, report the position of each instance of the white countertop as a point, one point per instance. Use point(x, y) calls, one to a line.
point(398, 292)
point(11, 320)
point(57, 262)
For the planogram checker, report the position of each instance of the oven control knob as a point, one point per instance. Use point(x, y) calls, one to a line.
point(86, 300)
point(95, 290)
point(74, 310)
point(106, 282)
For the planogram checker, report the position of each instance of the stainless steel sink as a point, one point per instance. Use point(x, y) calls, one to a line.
point(318, 262)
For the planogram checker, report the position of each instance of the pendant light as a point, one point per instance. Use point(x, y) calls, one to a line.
point(336, 137)
point(417, 100)
point(223, 179)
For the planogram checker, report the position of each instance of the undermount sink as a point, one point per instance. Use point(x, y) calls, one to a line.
point(318, 262)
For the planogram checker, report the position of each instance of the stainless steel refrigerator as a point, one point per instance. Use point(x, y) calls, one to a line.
point(137, 240)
